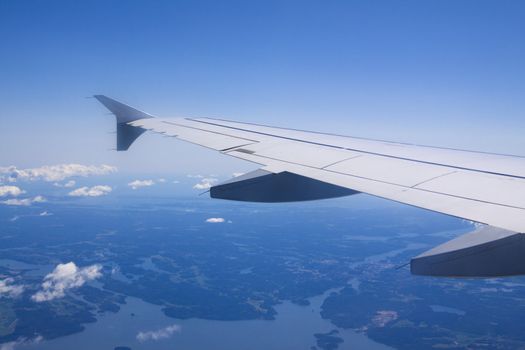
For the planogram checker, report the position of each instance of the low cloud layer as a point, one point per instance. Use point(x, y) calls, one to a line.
point(95, 191)
point(10, 191)
point(205, 183)
point(141, 183)
point(159, 334)
point(53, 173)
point(215, 220)
point(9, 289)
point(65, 277)
point(24, 202)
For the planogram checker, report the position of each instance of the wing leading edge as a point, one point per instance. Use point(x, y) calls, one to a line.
point(298, 165)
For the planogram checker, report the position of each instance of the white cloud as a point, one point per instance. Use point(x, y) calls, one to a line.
point(7, 288)
point(45, 213)
point(68, 184)
point(161, 180)
point(191, 176)
point(10, 345)
point(10, 191)
point(215, 220)
point(162, 333)
point(95, 191)
point(64, 277)
point(53, 173)
point(141, 183)
point(205, 183)
point(24, 202)
point(21, 341)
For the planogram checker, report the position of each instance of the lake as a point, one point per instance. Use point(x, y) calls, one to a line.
point(293, 328)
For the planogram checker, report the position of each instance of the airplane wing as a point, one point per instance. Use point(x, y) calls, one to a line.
point(298, 165)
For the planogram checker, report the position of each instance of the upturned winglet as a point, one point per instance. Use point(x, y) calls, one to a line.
point(124, 114)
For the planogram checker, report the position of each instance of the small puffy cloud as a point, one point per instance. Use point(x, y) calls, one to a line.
point(45, 213)
point(141, 183)
point(69, 184)
point(215, 220)
point(54, 173)
point(159, 334)
point(10, 191)
point(24, 202)
point(64, 277)
point(205, 183)
point(20, 342)
point(95, 191)
point(8, 289)
point(161, 180)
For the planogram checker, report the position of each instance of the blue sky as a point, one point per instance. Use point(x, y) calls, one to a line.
point(448, 73)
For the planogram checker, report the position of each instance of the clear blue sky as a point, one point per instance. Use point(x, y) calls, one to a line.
point(438, 72)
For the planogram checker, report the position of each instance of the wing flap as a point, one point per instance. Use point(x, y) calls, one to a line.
point(299, 153)
point(396, 171)
point(481, 187)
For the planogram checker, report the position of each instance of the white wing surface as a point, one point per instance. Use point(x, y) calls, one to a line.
point(299, 165)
